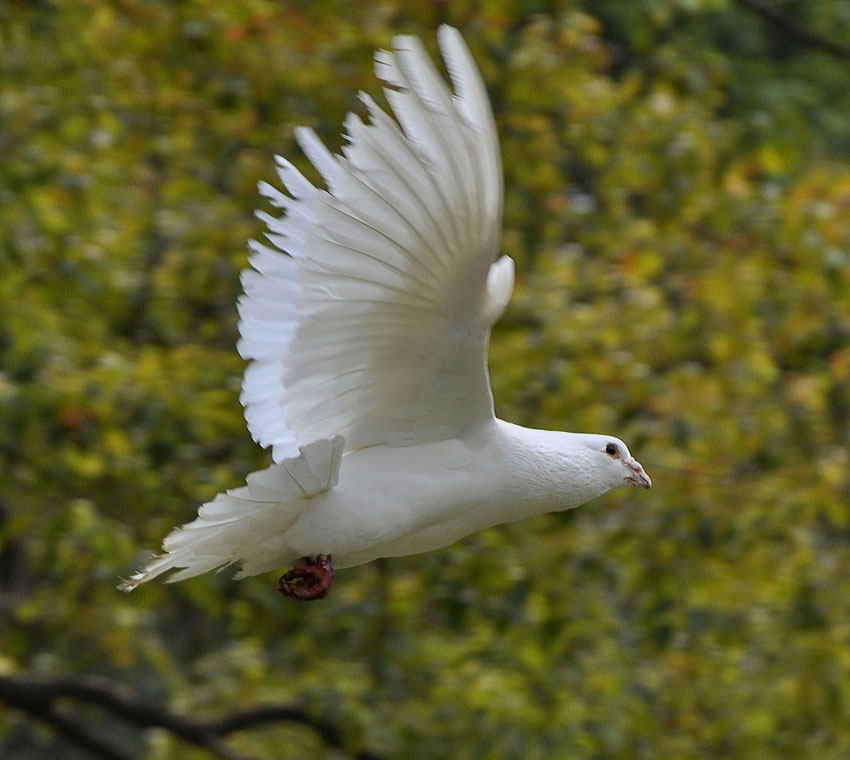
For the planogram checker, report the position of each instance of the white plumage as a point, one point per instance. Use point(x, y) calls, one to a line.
point(365, 319)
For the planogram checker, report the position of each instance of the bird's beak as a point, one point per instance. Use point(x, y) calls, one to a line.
point(638, 476)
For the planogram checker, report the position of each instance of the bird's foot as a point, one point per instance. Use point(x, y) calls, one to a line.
point(309, 579)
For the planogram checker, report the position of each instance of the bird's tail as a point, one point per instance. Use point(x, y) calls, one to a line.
point(246, 525)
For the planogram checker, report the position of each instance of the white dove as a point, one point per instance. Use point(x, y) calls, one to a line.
point(367, 326)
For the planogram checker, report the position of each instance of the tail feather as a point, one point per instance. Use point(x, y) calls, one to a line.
point(246, 525)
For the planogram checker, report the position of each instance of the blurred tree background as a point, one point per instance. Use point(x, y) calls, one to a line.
point(678, 205)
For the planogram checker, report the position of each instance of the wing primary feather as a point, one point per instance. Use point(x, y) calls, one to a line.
point(472, 101)
point(365, 212)
point(410, 104)
point(294, 227)
point(275, 196)
point(435, 96)
point(270, 262)
point(339, 273)
point(352, 213)
point(318, 154)
point(408, 110)
point(297, 184)
point(362, 177)
point(402, 149)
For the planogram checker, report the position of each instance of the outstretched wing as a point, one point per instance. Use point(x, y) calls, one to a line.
point(370, 315)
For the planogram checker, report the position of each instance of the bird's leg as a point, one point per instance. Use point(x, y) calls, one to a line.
point(310, 578)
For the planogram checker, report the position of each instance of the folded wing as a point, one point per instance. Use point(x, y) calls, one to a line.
point(369, 314)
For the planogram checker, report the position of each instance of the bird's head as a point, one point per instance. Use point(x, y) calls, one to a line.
point(612, 458)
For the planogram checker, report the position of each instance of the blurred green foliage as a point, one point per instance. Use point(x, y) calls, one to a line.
point(678, 205)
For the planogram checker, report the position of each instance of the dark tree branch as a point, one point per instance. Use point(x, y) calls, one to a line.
point(37, 697)
point(71, 729)
point(767, 11)
point(238, 720)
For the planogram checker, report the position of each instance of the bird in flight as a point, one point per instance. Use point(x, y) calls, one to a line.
point(366, 316)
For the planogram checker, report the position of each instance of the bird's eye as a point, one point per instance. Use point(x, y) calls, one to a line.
point(611, 450)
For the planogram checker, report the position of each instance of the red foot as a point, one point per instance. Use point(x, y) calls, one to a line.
point(309, 579)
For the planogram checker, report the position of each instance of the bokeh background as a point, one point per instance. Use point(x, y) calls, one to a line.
point(678, 206)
